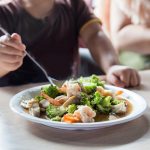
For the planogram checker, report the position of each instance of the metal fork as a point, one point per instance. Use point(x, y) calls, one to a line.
point(51, 80)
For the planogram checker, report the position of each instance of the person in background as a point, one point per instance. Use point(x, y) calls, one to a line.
point(49, 31)
point(129, 29)
point(102, 10)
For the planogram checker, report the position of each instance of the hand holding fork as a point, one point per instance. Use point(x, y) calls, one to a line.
point(12, 52)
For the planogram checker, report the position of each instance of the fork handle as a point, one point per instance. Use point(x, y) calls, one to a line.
point(42, 69)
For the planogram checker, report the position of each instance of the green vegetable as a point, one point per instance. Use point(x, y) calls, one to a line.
point(101, 104)
point(39, 98)
point(96, 79)
point(57, 118)
point(85, 100)
point(97, 98)
point(106, 101)
point(103, 110)
point(71, 108)
point(53, 111)
point(115, 102)
point(89, 87)
point(51, 91)
point(92, 79)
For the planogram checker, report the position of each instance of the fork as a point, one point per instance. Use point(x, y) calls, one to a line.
point(51, 80)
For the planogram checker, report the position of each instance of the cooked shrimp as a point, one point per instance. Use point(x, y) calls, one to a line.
point(61, 98)
point(70, 88)
point(51, 100)
point(104, 92)
point(73, 89)
point(63, 88)
point(71, 100)
point(85, 113)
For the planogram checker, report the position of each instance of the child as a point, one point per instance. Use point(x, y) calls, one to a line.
point(49, 30)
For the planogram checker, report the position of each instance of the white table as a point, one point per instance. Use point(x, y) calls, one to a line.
point(17, 133)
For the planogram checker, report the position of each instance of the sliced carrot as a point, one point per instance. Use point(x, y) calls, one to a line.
point(118, 92)
point(71, 119)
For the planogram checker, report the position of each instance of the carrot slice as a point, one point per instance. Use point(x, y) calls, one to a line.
point(71, 119)
point(118, 92)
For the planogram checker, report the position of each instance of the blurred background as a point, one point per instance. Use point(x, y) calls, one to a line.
point(127, 25)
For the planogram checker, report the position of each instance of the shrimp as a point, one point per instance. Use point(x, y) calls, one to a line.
point(85, 113)
point(104, 92)
point(71, 88)
point(56, 102)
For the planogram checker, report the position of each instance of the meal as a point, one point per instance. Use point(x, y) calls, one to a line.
point(83, 100)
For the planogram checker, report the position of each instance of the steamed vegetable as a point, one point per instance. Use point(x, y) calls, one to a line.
point(81, 100)
point(71, 108)
point(54, 111)
point(92, 79)
point(51, 91)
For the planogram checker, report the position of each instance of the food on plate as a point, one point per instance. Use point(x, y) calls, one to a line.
point(84, 100)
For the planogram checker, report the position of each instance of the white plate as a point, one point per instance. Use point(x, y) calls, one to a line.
point(138, 103)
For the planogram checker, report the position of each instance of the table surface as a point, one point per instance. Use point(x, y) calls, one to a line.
point(16, 133)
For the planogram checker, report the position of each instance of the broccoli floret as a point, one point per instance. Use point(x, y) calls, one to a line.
point(115, 102)
point(106, 101)
point(51, 91)
point(103, 110)
point(53, 111)
point(85, 100)
point(96, 99)
point(89, 87)
point(57, 118)
point(92, 79)
point(101, 104)
point(39, 98)
point(71, 108)
point(96, 79)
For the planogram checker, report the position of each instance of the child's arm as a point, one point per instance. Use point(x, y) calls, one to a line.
point(127, 36)
point(105, 56)
point(100, 47)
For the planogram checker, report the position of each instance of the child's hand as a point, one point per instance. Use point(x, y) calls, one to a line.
point(12, 52)
point(123, 76)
